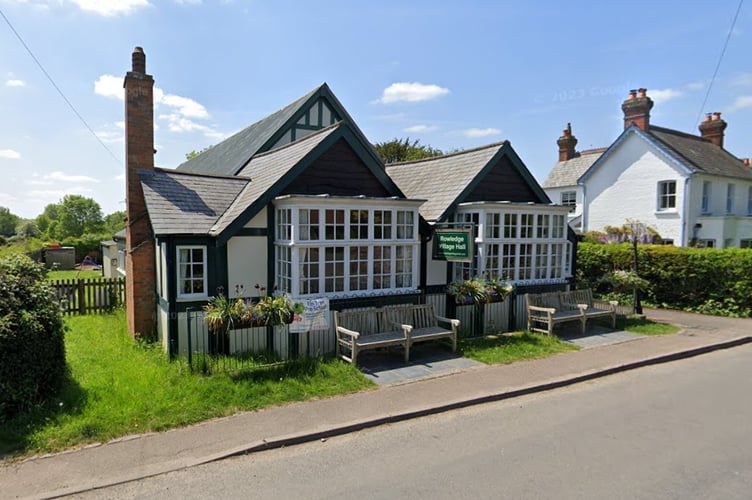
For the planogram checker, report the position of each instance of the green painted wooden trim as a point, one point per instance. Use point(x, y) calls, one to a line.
point(423, 264)
point(345, 132)
point(171, 276)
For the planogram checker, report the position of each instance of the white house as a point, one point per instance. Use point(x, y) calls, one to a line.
point(687, 187)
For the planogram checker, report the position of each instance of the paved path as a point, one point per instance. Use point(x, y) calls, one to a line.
point(135, 457)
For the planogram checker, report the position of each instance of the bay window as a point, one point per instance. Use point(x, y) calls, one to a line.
point(342, 247)
point(517, 242)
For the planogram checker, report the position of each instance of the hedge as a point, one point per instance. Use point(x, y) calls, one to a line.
point(707, 280)
point(32, 348)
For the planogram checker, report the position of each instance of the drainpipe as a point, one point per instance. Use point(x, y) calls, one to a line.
point(685, 213)
point(584, 206)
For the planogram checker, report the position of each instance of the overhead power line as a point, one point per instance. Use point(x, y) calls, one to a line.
point(720, 59)
point(59, 91)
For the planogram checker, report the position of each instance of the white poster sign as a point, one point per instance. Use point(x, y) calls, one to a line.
point(315, 316)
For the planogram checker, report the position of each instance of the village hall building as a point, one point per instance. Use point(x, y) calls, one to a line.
point(299, 202)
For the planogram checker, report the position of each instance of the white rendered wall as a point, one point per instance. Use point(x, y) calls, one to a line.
point(626, 186)
point(258, 221)
point(247, 263)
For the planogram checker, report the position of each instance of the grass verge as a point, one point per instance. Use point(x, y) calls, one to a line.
point(73, 275)
point(508, 348)
point(645, 326)
point(117, 387)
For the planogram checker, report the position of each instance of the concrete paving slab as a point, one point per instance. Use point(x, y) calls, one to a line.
point(426, 360)
point(597, 336)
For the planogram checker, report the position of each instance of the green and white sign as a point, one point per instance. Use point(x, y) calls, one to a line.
point(454, 245)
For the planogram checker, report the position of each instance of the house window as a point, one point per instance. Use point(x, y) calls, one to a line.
point(745, 243)
point(749, 200)
point(337, 250)
point(569, 199)
point(518, 244)
point(730, 192)
point(706, 243)
point(191, 272)
point(706, 197)
point(666, 195)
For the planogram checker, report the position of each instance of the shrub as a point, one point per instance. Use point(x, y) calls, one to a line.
point(32, 349)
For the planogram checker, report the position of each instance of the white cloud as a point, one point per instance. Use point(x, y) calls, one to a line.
point(111, 7)
point(480, 132)
point(417, 129)
point(411, 92)
point(663, 95)
point(109, 86)
point(178, 123)
point(9, 154)
point(185, 106)
point(699, 85)
point(742, 80)
point(60, 176)
point(741, 102)
point(15, 83)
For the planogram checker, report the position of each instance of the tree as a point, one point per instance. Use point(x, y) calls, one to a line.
point(8, 222)
point(78, 215)
point(27, 229)
point(114, 222)
point(194, 153)
point(404, 150)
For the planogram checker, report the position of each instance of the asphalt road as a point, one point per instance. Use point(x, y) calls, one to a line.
point(678, 430)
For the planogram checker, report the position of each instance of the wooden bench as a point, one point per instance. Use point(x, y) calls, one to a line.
point(545, 310)
point(398, 325)
point(422, 323)
point(361, 329)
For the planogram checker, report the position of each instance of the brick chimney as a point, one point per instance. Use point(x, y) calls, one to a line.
point(712, 128)
point(566, 143)
point(637, 108)
point(140, 279)
point(747, 161)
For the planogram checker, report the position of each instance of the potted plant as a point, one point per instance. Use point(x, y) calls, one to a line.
point(470, 291)
point(498, 289)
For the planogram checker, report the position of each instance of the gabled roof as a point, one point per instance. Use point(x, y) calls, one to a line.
point(566, 173)
point(181, 203)
point(692, 154)
point(700, 154)
point(446, 180)
point(265, 170)
point(231, 155)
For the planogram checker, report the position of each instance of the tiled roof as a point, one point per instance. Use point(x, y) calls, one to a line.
point(442, 179)
point(186, 203)
point(700, 154)
point(265, 169)
point(229, 156)
point(566, 173)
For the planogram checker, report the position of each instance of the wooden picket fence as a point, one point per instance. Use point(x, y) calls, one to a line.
point(89, 296)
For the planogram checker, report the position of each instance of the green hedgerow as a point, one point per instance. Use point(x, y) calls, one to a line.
point(32, 349)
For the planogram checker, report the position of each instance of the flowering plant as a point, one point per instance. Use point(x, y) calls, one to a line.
point(223, 313)
point(479, 290)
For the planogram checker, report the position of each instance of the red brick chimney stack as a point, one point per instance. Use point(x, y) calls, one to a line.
point(566, 143)
point(637, 108)
point(712, 128)
point(747, 161)
point(140, 277)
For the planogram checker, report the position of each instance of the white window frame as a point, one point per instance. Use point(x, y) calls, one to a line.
point(569, 199)
point(666, 198)
point(707, 187)
point(205, 279)
point(730, 195)
point(365, 230)
point(511, 243)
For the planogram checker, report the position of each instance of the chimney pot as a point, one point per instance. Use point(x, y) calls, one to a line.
point(642, 92)
point(708, 117)
point(716, 116)
point(138, 61)
point(712, 128)
point(632, 94)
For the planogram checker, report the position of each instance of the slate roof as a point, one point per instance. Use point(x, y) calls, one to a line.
point(566, 173)
point(441, 179)
point(700, 154)
point(265, 169)
point(230, 155)
point(187, 203)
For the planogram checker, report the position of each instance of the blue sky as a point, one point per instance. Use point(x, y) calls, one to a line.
point(452, 74)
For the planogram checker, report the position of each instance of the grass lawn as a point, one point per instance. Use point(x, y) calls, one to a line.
point(73, 274)
point(645, 326)
point(117, 387)
point(507, 348)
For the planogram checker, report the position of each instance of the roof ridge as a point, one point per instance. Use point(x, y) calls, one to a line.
point(191, 173)
point(593, 151)
point(448, 155)
point(677, 132)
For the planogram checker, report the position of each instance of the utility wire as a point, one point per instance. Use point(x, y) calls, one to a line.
point(720, 59)
point(70, 105)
